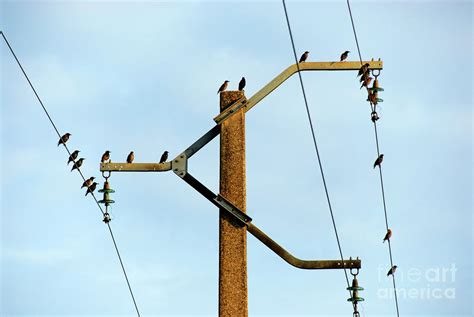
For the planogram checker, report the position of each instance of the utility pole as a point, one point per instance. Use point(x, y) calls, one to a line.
point(234, 223)
point(233, 299)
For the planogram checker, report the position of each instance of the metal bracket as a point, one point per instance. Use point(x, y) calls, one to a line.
point(233, 210)
point(180, 165)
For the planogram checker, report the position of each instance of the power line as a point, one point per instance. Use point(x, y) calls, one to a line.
point(380, 166)
point(314, 140)
point(80, 172)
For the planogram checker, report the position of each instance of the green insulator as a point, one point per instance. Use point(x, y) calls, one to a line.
point(355, 299)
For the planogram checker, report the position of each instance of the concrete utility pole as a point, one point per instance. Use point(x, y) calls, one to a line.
point(234, 223)
point(233, 297)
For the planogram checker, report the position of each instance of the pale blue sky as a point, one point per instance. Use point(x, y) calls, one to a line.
point(143, 76)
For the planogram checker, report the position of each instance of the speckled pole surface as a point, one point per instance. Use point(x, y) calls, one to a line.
point(233, 298)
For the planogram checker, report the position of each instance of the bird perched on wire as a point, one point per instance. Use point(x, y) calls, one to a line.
point(105, 156)
point(164, 157)
point(392, 270)
point(366, 82)
point(344, 55)
point(64, 138)
point(91, 188)
point(77, 164)
point(378, 161)
point(387, 236)
point(363, 69)
point(88, 182)
point(130, 157)
point(73, 156)
point(223, 87)
point(242, 84)
point(304, 57)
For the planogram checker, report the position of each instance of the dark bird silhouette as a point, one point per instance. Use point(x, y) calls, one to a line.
point(363, 69)
point(105, 156)
point(130, 157)
point(64, 138)
point(392, 270)
point(77, 164)
point(344, 55)
point(366, 82)
point(388, 235)
point(242, 84)
point(364, 76)
point(73, 156)
point(88, 182)
point(164, 157)
point(91, 188)
point(223, 86)
point(304, 57)
point(378, 161)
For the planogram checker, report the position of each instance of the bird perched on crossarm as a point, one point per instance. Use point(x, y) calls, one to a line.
point(64, 138)
point(387, 236)
point(164, 157)
point(344, 55)
point(223, 87)
point(105, 156)
point(77, 164)
point(304, 57)
point(378, 161)
point(130, 157)
point(363, 69)
point(91, 188)
point(392, 270)
point(73, 156)
point(88, 182)
point(242, 84)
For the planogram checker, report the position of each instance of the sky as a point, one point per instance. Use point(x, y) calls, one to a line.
point(143, 76)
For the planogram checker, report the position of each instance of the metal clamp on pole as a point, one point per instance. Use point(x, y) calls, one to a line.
point(236, 212)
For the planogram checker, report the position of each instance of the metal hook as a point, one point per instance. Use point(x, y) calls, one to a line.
point(354, 274)
point(378, 73)
point(106, 177)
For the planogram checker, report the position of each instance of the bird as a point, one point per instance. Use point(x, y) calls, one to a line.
point(363, 69)
point(364, 76)
point(91, 188)
point(223, 86)
point(366, 82)
point(64, 138)
point(77, 164)
point(388, 235)
point(378, 161)
point(88, 182)
point(344, 55)
point(392, 270)
point(73, 156)
point(130, 157)
point(164, 157)
point(304, 57)
point(105, 156)
point(242, 84)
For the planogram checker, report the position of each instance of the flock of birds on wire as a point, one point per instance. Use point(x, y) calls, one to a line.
point(366, 79)
point(77, 163)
